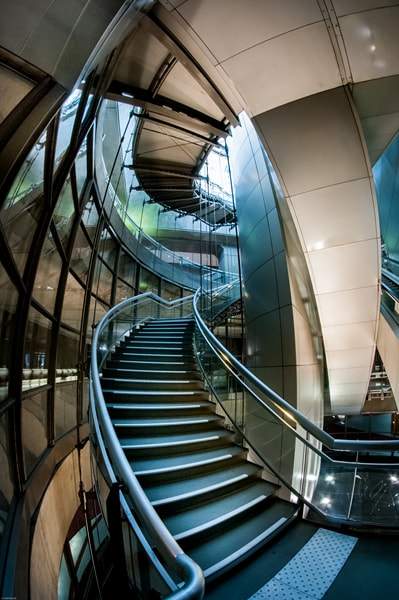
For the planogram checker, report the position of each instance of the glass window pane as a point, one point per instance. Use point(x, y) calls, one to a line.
point(34, 428)
point(81, 167)
point(122, 291)
point(169, 291)
point(65, 408)
point(37, 350)
point(6, 484)
point(29, 181)
point(148, 282)
point(127, 269)
point(66, 123)
point(8, 301)
point(90, 219)
point(103, 279)
point(73, 303)
point(81, 255)
point(64, 213)
point(21, 213)
point(108, 250)
point(48, 274)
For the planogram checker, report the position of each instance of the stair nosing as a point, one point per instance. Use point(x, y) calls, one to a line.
point(221, 519)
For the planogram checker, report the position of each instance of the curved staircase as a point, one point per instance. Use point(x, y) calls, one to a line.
point(212, 499)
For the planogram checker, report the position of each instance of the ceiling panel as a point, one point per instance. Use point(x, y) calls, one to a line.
point(229, 27)
point(372, 42)
point(297, 64)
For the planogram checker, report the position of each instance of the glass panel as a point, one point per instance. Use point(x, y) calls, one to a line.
point(34, 428)
point(108, 250)
point(21, 213)
point(103, 279)
point(148, 282)
point(29, 182)
point(13, 88)
point(37, 350)
point(122, 291)
point(66, 123)
point(169, 291)
point(48, 274)
point(65, 408)
point(127, 269)
point(73, 303)
point(81, 255)
point(90, 219)
point(64, 213)
point(67, 356)
point(81, 167)
point(8, 301)
point(6, 484)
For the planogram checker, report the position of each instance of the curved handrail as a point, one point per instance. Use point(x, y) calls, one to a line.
point(183, 565)
point(238, 370)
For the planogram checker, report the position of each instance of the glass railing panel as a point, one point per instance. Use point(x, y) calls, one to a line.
point(343, 480)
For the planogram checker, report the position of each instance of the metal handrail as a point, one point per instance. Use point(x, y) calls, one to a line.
point(170, 550)
point(239, 371)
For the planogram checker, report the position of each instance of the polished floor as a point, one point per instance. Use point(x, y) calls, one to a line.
point(370, 571)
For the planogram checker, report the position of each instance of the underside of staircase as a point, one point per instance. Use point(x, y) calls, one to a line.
point(214, 501)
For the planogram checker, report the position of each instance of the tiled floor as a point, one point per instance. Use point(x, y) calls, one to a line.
point(369, 572)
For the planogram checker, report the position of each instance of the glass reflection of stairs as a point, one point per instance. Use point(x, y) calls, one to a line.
point(211, 498)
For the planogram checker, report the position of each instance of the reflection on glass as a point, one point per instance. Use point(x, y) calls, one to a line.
point(81, 167)
point(29, 182)
point(73, 303)
point(66, 379)
point(81, 255)
point(64, 213)
point(8, 301)
point(169, 291)
point(90, 219)
point(148, 282)
point(122, 291)
point(6, 485)
point(66, 123)
point(127, 269)
point(65, 408)
point(103, 279)
point(36, 350)
point(34, 428)
point(22, 211)
point(48, 274)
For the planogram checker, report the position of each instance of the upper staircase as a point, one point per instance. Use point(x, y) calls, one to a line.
point(213, 500)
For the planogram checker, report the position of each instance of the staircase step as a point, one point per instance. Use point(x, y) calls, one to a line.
point(212, 499)
point(160, 410)
point(154, 374)
point(151, 364)
point(182, 443)
point(115, 395)
point(218, 512)
point(161, 465)
point(214, 482)
point(151, 384)
point(166, 426)
point(219, 553)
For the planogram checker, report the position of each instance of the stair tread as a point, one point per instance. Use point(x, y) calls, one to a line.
point(167, 464)
point(183, 488)
point(218, 511)
point(162, 441)
point(218, 553)
point(165, 421)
